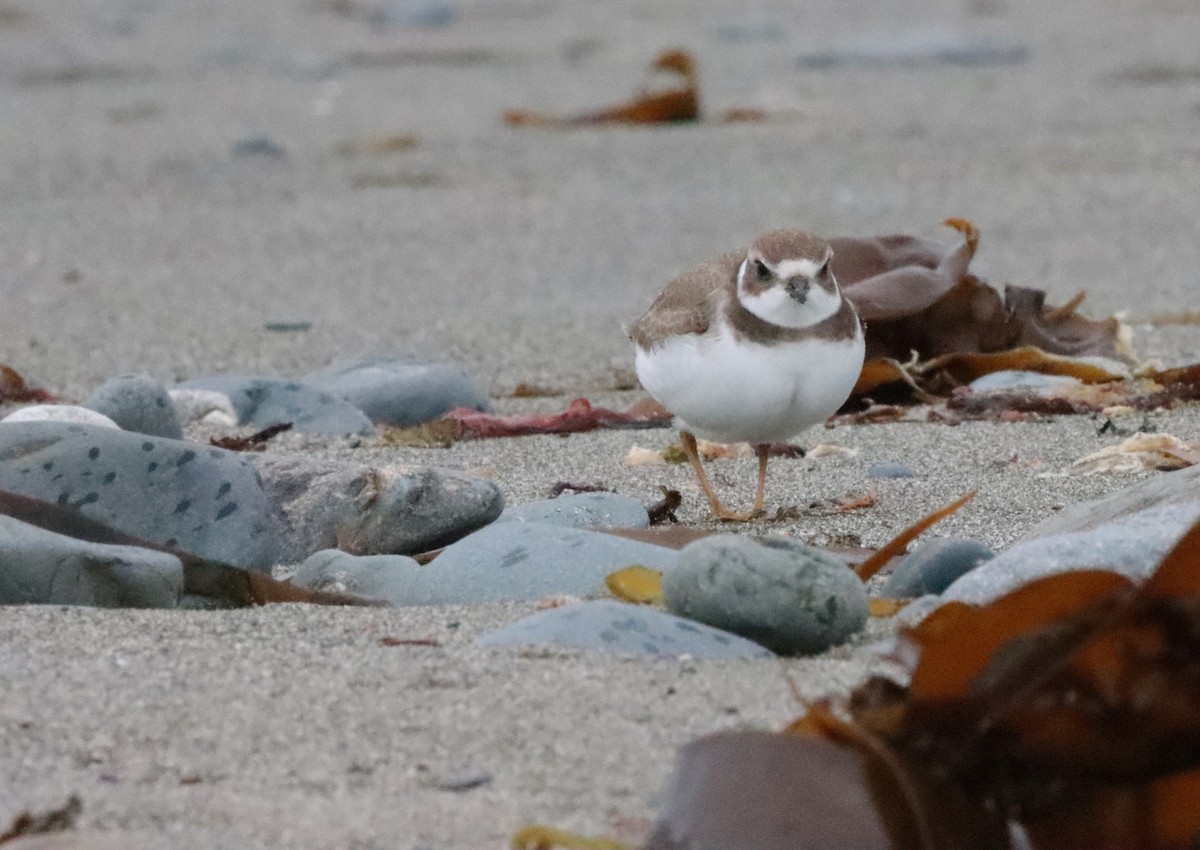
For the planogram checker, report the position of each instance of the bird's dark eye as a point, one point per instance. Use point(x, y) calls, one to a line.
point(761, 271)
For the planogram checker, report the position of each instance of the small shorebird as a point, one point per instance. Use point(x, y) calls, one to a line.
point(753, 346)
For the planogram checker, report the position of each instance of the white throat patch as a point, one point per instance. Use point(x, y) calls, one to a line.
point(776, 307)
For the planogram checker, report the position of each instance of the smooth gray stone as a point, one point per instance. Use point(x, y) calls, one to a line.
point(582, 510)
point(922, 47)
point(137, 403)
point(368, 510)
point(514, 561)
point(1012, 379)
point(933, 567)
point(43, 568)
point(787, 596)
point(374, 576)
point(59, 413)
point(608, 626)
point(198, 498)
point(263, 401)
point(750, 789)
point(399, 391)
point(1132, 545)
point(1182, 485)
point(890, 470)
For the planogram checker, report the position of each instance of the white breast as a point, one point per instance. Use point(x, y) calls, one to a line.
point(730, 390)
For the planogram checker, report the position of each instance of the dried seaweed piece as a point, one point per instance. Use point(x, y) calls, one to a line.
point(538, 837)
point(256, 442)
point(14, 388)
point(964, 367)
point(678, 101)
point(1139, 453)
point(899, 543)
point(201, 576)
point(55, 820)
point(916, 296)
point(637, 584)
point(578, 417)
point(395, 641)
point(664, 509)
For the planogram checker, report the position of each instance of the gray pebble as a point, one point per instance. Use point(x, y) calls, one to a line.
point(607, 626)
point(787, 596)
point(44, 568)
point(263, 401)
point(198, 498)
point(922, 47)
point(514, 561)
point(582, 510)
point(375, 576)
point(932, 567)
point(1009, 380)
point(137, 403)
point(401, 392)
point(890, 470)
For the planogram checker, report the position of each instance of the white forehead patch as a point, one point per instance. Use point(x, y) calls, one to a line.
point(798, 268)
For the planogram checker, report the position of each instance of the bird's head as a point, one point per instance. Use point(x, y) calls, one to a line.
point(786, 279)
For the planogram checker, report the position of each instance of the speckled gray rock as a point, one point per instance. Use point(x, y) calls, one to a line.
point(60, 413)
point(1132, 545)
point(399, 391)
point(369, 510)
point(374, 576)
point(787, 596)
point(41, 567)
point(514, 561)
point(137, 403)
point(582, 510)
point(932, 567)
point(606, 626)
point(263, 401)
point(203, 499)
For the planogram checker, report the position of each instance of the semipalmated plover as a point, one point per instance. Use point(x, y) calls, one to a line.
point(754, 346)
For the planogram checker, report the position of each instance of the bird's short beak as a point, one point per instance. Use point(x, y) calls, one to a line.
point(797, 287)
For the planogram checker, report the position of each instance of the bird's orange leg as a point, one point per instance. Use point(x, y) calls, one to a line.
point(761, 449)
point(719, 510)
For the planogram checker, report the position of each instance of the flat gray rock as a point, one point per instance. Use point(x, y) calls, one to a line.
point(264, 401)
point(920, 47)
point(514, 561)
point(1182, 485)
point(382, 577)
point(367, 510)
point(934, 566)
point(398, 391)
point(1133, 546)
point(198, 498)
point(606, 626)
point(43, 568)
point(582, 510)
point(137, 403)
point(787, 596)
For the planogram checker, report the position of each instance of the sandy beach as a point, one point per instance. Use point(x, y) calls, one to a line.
point(174, 178)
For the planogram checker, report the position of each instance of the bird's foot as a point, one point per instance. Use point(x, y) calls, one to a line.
point(725, 515)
